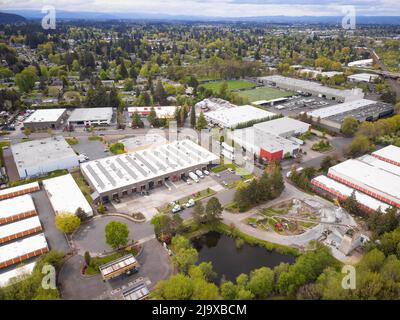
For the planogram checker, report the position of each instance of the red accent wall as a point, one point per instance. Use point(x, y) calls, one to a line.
point(271, 156)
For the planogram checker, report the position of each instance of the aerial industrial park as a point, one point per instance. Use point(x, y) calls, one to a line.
point(198, 160)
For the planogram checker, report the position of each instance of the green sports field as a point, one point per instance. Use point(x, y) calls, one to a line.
point(264, 93)
point(232, 85)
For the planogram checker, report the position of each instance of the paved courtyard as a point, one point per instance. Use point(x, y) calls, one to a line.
point(91, 235)
point(163, 195)
point(154, 266)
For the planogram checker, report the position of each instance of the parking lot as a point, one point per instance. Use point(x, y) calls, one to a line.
point(93, 149)
point(299, 104)
point(161, 196)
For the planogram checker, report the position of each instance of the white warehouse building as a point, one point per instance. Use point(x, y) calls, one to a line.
point(39, 157)
point(232, 117)
point(91, 116)
point(65, 195)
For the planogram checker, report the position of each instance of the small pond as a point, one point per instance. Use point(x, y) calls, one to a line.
point(229, 261)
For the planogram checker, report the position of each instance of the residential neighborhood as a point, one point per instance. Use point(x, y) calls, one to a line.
point(199, 157)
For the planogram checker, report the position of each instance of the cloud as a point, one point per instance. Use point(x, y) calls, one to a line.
point(226, 8)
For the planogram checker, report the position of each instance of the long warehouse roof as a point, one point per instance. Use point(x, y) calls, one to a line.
point(369, 175)
point(346, 191)
point(307, 85)
point(341, 108)
point(65, 195)
point(391, 153)
point(130, 168)
point(381, 164)
point(25, 270)
point(15, 206)
point(22, 247)
point(19, 227)
point(25, 188)
point(234, 116)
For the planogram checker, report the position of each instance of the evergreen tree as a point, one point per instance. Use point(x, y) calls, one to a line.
point(193, 117)
point(201, 122)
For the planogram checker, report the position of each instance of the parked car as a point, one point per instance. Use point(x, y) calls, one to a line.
point(176, 209)
point(231, 170)
point(200, 174)
point(190, 203)
point(206, 172)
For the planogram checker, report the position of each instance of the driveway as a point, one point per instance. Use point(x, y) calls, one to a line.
point(154, 266)
point(55, 238)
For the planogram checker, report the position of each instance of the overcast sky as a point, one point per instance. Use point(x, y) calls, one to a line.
point(225, 8)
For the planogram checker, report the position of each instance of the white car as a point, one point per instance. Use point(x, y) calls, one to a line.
point(199, 173)
point(190, 203)
point(206, 172)
point(176, 209)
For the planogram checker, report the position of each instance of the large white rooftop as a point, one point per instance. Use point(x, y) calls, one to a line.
point(363, 62)
point(346, 191)
point(65, 195)
point(22, 271)
point(340, 108)
point(369, 175)
point(18, 227)
point(232, 117)
point(15, 206)
point(39, 153)
point(299, 84)
point(130, 168)
point(22, 247)
point(161, 111)
point(45, 115)
point(91, 114)
point(282, 126)
point(367, 77)
point(390, 153)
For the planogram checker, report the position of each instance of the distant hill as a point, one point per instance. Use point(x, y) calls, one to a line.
point(10, 18)
point(104, 16)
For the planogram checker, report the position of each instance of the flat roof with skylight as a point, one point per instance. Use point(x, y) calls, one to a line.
point(128, 169)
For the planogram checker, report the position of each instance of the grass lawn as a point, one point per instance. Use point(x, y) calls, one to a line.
point(83, 186)
point(2, 145)
point(232, 85)
point(95, 138)
point(72, 140)
point(96, 262)
point(264, 93)
point(199, 196)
